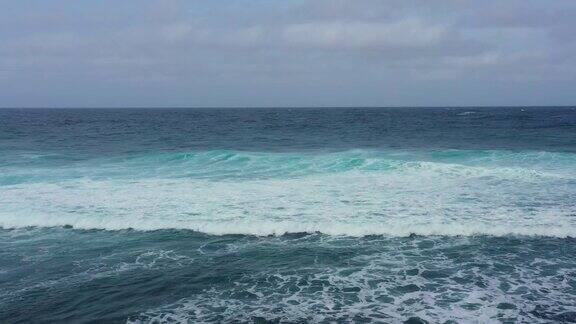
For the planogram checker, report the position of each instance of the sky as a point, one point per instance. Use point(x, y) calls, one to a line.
point(287, 53)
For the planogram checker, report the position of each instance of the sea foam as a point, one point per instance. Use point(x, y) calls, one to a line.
point(353, 193)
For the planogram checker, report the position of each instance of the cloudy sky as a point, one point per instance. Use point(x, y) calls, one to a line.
point(111, 53)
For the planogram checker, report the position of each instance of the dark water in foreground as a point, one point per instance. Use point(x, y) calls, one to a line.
point(288, 215)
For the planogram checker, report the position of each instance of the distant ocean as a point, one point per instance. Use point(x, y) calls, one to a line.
point(288, 215)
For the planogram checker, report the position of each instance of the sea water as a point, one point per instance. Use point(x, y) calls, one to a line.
point(288, 215)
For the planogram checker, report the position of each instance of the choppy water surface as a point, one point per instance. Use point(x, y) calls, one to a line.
point(301, 215)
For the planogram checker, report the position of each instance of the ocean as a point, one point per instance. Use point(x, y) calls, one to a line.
point(364, 215)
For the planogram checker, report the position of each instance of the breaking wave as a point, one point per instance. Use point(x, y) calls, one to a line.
point(353, 193)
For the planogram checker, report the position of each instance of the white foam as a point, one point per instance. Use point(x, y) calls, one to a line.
point(377, 286)
point(423, 198)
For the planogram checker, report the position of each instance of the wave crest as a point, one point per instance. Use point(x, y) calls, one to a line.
point(347, 193)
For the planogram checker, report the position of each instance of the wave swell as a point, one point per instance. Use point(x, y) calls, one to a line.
point(347, 193)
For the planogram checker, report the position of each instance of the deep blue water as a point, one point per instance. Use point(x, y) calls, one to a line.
point(288, 215)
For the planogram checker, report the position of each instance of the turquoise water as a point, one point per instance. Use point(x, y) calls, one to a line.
point(359, 215)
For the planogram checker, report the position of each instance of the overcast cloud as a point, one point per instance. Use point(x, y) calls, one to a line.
point(287, 53)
